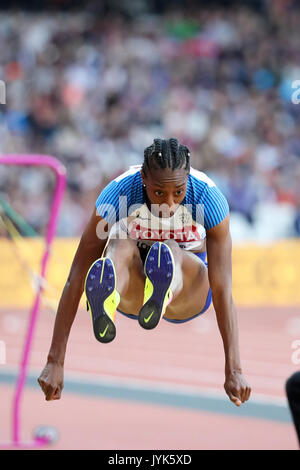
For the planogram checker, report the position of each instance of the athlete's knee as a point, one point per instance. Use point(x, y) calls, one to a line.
point(122, 249)
point(173, 245)
point(177, 282)
point(176, 251)
point(171, 242)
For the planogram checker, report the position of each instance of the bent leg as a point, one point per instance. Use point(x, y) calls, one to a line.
point(190, 285)
point(130, 277)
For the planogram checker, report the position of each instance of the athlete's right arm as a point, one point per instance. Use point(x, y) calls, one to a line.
point(90, 248)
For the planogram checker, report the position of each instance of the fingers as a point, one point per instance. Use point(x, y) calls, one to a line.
point(240, 396)
point(42, 384)
point(57, 394)
point(51, 392)
point(247, 393)
point(235, 400)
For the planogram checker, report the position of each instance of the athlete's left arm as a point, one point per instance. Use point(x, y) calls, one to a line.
point(219, 247)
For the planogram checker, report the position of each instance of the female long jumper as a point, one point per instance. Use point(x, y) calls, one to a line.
point(157, 246)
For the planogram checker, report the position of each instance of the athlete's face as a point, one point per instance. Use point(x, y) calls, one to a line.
point(165, 188)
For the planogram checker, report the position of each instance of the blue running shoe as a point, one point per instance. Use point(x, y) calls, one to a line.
point(159, 271)
point(102, 298)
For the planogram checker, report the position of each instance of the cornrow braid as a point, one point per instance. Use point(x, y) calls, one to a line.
point(166, 154)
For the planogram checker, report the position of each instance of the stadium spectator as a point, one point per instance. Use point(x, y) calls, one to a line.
point(93, 91)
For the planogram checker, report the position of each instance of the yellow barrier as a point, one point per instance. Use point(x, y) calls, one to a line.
point(267, 274)
point(16, 281)
point(262, 274)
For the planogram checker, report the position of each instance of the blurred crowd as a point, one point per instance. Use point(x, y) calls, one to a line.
point(94, 91)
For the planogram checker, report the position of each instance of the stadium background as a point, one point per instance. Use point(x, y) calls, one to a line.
point(93, 85)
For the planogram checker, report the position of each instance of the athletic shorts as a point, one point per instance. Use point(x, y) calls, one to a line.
point(143, 253)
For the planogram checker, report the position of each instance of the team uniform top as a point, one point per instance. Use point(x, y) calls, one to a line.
point(124, 204)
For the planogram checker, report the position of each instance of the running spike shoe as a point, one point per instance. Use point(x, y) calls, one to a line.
point(102, 298)
point(159, 271)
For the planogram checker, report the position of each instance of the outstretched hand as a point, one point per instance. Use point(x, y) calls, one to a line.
point(51, 381)
point(237, 388)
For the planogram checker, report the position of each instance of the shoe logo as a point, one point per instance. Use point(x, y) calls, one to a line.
point(104, 332)
point(146, 320)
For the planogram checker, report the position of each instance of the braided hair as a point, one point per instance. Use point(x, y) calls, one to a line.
point(166, 154)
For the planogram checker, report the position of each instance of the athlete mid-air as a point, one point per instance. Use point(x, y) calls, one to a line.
point(143, 253)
